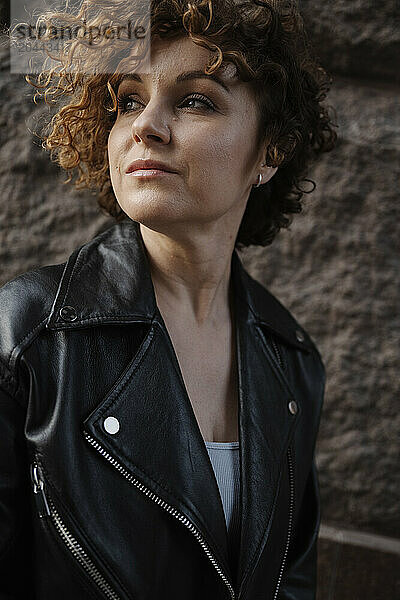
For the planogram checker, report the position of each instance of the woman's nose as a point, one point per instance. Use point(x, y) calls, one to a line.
point(150, 126)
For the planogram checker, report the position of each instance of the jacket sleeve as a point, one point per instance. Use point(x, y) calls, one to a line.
point(299, 579)
point(15, 526)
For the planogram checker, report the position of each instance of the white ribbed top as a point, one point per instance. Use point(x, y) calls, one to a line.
point(224, 457)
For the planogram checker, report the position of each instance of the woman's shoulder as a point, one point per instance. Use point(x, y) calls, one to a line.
point(276, 318)
point(291, 344)
point(27, 299)
point(25, 302)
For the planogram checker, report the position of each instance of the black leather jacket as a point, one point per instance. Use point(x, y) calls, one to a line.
point(133, 512)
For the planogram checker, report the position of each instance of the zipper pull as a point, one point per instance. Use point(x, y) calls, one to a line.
point(38, 490)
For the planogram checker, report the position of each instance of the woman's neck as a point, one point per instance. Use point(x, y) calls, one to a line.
point(192, 280)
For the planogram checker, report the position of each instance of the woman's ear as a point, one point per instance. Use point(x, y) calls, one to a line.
point(269, 173)
point(266, 172)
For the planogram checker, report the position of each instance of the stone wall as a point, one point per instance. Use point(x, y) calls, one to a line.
point(336, 269)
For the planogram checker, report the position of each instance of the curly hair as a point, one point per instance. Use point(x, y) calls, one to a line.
point(267, 42)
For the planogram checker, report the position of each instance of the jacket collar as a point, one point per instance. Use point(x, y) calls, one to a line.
point(89, 286)
point(108, 281)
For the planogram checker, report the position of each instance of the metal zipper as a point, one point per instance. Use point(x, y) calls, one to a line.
point(278, 354)
point(173, 511)
point(269, 338)
point(291, 506)
point(46, 508)
point(291, 479)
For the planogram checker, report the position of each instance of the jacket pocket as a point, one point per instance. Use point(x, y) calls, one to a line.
point(47, 508)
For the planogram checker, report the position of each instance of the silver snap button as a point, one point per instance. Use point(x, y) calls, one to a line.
point(68, 313)
point(293, 407)
point(111, 425)
point(299, 335)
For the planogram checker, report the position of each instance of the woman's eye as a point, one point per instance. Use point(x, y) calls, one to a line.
point(202, 99)
point(124, 101)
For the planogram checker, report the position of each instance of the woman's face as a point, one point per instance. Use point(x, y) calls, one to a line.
point(208, 140)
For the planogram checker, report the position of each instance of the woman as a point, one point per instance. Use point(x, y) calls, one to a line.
point(159, 407)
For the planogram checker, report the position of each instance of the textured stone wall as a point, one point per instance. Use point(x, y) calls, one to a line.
point(41, 219)
point(358, 38)
point(337, 268)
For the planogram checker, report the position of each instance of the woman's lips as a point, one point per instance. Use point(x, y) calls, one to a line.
point(149, 173)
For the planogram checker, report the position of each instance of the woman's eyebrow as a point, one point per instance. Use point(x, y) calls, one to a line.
point(183, 77)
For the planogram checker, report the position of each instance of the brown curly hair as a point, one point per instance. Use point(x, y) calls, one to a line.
point(266, 41)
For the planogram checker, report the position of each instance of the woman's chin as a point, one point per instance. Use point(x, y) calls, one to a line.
point(155, 213)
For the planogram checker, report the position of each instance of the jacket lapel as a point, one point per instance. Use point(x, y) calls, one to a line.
point(265, 428)
point(108, 280)
point(159, 440)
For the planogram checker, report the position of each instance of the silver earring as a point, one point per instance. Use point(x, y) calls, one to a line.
point(260, 175)
point(259, 180)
